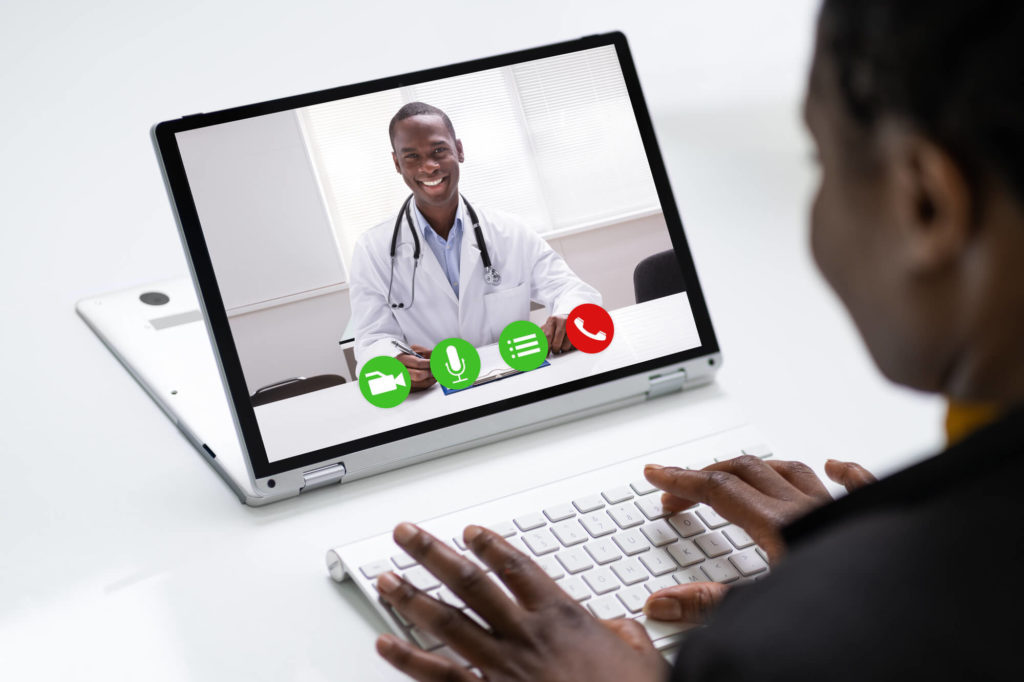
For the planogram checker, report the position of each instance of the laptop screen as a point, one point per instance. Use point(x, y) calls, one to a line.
point(381, 260)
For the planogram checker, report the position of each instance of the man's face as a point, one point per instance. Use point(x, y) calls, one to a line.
point(856, 235)
point(428, 158)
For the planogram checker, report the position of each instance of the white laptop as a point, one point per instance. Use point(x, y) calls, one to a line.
point(256, 357)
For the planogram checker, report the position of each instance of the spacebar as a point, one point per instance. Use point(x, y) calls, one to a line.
point(664, 634)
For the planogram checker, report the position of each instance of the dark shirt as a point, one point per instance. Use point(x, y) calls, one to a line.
point(919, 576)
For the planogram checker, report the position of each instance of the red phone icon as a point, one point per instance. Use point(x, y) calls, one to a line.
point(590, 328)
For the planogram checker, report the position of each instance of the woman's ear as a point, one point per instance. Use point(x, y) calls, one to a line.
point(933, 200)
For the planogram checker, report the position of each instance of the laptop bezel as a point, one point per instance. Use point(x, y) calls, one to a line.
point(261, 469)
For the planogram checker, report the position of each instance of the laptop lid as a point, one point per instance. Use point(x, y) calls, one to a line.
point(309, 262)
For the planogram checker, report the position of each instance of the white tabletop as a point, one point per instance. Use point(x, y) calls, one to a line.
point(123, 557)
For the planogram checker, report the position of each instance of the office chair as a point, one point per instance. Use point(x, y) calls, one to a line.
point(656, 276)
point(289, 388)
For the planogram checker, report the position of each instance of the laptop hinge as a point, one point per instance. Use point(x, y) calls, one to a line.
point(318, 478)
point(663, 384)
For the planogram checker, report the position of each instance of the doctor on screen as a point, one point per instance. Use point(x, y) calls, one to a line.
point(443, 267)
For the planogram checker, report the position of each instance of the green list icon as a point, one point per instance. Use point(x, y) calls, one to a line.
point(384, 381)
point(523, 346)
point(455, 363)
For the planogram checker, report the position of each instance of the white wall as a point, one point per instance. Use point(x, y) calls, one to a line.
point(263, 216)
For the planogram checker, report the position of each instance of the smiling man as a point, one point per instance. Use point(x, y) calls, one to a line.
point(429, 273)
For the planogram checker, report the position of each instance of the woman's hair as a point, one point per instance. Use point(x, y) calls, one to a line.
point(951, 69)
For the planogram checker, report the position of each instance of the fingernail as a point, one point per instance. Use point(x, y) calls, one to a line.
point(653, 467)
point(831, 461)
point(388, 582)
point(404, 532)
point(386, 644)
point(663, 609)
point(471, 533)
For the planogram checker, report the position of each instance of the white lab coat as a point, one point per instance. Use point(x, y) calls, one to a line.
point(530, 271)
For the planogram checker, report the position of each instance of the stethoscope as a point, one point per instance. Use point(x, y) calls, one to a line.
point(491, 276)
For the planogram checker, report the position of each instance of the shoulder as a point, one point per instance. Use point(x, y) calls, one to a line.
point(378, 234)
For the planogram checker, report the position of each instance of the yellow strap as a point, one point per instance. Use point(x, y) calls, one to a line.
point(964, 418)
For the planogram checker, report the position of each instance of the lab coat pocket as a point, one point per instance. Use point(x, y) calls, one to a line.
point(506, 305)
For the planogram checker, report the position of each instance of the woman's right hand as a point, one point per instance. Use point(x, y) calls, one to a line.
point(759, 496)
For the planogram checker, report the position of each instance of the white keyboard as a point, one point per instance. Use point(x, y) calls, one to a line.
point(609, 550)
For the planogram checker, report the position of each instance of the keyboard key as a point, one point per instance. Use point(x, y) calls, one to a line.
point(424, 640)
point(575, 588)
point(448, 597)
point(664, 633)
point(763, 554)
point(540, 541)
point(451, 655)
point(748, 563)
point(503, 528)
point(686, 524)
point(626, 515)
point(421, 579)
point(601, 580)
point(617, 495)
point(629, 571)
point(659, 533)
point(651, 507)
point(710, 517)
point(685, 553)
point(587, 504)
point(402, 620)
point(460, 543)
point(375, 568)
point(660, 583)
point(643, 487)
point(403, 560)
point(761, 450)
point(713, 544)
point(738, 537)
point(633, 598)
point(720, 570)
point(574, 560)
point(570, 532)
point(517, 542)
point(559, 512)
point(690, 575)
point(551, 567)
point(606, 608)
point(658, 562)
point(597, 524)
point(631, 541)
point(468, 554)
point(530, 521)
point(603, 551)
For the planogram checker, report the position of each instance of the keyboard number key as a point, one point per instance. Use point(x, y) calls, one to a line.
point(540, 541)
point(626, 515)
point(570, 532)
point(597, 524)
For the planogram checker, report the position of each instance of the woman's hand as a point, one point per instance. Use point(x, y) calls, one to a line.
point(760, 496)
point(538, 633)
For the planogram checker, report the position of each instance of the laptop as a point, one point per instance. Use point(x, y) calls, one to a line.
point(306, 257)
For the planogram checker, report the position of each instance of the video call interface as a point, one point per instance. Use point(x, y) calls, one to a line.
point(404, 255)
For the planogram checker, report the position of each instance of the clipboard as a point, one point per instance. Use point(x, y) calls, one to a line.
point(491, 376)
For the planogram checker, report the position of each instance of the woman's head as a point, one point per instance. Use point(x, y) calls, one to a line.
point(917, 109)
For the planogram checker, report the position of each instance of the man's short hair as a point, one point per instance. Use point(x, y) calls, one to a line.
point(418, 109)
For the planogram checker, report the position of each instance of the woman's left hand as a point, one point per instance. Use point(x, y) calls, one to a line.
point(538, 633)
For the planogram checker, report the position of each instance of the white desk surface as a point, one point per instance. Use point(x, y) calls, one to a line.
point(335, 415)
point(123, 556)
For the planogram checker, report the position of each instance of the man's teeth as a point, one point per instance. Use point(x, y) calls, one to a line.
point(435, 183)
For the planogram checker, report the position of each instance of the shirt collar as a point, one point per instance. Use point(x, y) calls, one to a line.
point(428, 231)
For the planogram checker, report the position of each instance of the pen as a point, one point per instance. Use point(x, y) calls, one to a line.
point(405, 349)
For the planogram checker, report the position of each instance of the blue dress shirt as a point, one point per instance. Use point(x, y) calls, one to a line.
point(448, 251)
